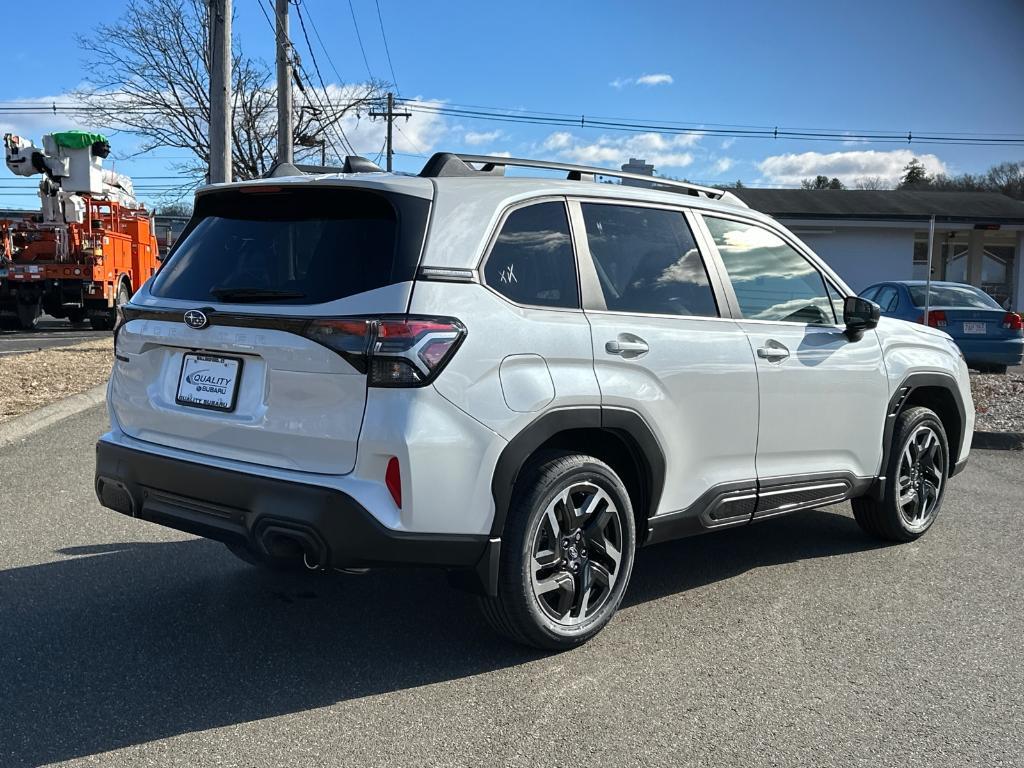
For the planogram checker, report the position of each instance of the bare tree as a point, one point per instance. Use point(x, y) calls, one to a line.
point(871, 182)
point(148, 74)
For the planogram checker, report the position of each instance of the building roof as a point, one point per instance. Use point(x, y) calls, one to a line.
point(886, 205)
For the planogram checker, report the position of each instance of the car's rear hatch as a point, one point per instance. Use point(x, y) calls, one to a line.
point(230, 350)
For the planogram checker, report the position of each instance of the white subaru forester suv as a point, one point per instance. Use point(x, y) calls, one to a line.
point(520, 380)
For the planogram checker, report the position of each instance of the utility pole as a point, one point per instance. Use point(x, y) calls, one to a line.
point(220, 91)
point(390, 115)
point(284, 85)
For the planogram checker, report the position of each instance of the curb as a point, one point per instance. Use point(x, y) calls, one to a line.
point(998, 441)
point(29, 423)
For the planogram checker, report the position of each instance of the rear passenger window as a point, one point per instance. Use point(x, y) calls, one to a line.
point(772, 280)
point(888, 298)
point(532, 261)
point(647, 261)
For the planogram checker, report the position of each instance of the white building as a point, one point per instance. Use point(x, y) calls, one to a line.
point(868, 235)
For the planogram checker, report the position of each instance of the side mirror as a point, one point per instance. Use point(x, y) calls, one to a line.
point(859, 315)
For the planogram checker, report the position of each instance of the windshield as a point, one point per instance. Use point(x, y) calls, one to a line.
point(305, 246)
point(953, 296)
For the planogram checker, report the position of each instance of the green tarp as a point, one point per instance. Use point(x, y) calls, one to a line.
point(77, 139)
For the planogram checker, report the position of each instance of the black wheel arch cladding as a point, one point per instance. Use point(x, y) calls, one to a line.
point(625, 426)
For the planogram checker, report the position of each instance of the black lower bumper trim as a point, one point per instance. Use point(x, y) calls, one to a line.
point(959, 466)
point(239, 508)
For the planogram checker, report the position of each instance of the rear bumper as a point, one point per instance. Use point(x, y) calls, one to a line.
point(992, 351)
point(250, 510)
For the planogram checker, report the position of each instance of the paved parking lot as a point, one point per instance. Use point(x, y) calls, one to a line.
point(794, 642)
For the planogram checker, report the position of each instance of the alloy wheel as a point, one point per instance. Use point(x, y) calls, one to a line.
point(576, 554)
point(921, 473)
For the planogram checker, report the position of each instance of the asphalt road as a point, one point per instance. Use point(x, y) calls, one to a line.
point(50, 332)
point(794, 642)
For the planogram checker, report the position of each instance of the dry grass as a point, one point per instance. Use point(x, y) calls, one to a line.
point(37, 378)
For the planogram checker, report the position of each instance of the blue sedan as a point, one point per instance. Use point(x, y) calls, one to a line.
point(990, 337)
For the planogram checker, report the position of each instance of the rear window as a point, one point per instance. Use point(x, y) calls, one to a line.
point(953, 296)
point(304, 246)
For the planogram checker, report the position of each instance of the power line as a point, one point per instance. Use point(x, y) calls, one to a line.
point(624, 125)
point(345, 145)
point(333, 117)
point(387, 50)
point(359, 37)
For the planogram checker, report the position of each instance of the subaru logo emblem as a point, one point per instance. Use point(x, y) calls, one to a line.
point(195, 319)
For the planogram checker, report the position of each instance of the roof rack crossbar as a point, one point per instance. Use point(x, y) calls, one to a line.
point(448, 164)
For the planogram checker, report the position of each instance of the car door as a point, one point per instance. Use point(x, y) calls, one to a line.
point(822, 394)
point(663, 349)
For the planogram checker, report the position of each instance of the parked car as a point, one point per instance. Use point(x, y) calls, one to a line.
point(989, 337)
point(520, 380)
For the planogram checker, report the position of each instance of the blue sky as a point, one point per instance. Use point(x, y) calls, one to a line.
point(939, 66)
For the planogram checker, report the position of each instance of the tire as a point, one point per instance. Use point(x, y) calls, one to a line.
point(106, 322)
point(919, 465)
point(28, 315)
point(566, 553)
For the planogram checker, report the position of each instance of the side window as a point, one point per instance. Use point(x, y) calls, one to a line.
point(772, 280)
point(647, 261)
point(532, 261)
point(888, 298)
point(869, 293)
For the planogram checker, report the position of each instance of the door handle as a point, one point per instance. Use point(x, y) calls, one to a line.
point(773, 352)
point(633, 347)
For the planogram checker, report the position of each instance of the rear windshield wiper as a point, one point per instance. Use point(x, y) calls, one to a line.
point(254, 294)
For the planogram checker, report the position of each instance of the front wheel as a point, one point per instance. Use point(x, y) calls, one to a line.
point(915, 480)
point(566, 554)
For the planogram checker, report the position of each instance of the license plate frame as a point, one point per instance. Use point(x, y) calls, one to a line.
point(217, 360)
point(975, 327)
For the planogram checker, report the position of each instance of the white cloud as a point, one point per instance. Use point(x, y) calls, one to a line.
point(849, 167)
point(726, 143)
point(661, 78)
point(723, 164)
point(663, 150)
point(476, 138)
point(558, 140)
point(658, 78)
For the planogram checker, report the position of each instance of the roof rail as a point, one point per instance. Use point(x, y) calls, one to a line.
point(457, 164)
point(353, 164)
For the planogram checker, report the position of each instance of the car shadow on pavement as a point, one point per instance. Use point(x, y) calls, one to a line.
point(115, 645)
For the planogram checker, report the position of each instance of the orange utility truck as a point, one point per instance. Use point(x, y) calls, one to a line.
point(90, 246)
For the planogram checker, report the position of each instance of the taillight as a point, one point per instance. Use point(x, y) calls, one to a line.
point(936, 318)
point(404, 351)
point(1012, 322)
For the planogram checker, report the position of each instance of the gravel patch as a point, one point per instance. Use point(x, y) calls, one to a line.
point(38, 378)
point(999, 401)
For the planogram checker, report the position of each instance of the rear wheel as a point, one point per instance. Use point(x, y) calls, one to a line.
point(566, 555)
point(105, 322)
point(28, 315)
point(915, 480)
